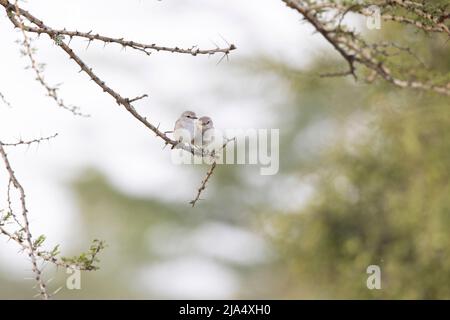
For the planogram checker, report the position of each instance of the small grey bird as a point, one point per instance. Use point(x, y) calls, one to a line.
point(185, 127)
point(206, 129)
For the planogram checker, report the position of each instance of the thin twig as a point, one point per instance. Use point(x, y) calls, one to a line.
point(209, 173)
point(51, 91)
point(44, 255)
point(29, 142)
point(26, 226)
point(203, 184)
point(3, 99)
point(53, 33)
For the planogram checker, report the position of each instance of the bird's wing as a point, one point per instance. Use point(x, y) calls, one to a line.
point(178, 124)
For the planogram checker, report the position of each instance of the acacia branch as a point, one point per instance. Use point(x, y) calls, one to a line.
point(28, 51)
point(26, 226)
point(435, 23)
point(3, 99)
point(27, 23)
point(22, 142)
point(120, 100)
point(355, 51)
point(21, 232)
point(46, 255)
point(209, 173)
point(143, 47)
point(203, 184)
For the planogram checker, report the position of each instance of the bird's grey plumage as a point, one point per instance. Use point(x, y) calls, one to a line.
point(185, 127)
point(206, 129)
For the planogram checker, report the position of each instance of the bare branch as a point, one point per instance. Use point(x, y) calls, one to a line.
point(45, 255)
point(209, 173)
point(355, 50)
point(138, 98)
point(120, 100)
point(3, 99)
point(203, 184)
point(146, 48)
point(29, 142)
point(51, 91)
point(26, 226)
point(21, 233)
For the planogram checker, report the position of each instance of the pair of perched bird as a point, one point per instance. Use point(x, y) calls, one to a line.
point(197, 131)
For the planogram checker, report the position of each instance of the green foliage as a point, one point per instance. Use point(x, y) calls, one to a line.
point(86, 260)
point(5, 217)
point(381, 198)
point(386, 205)
point(39, 241)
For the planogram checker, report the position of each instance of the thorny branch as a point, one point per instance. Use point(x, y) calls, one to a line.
point(29, 142)
point(27, 23)
point(356, 51)
point(142, 47)
point(18, 229)
point(203, 184)
point(120, 100)
point(28, 51)
point(49, 256)
point(146, 48)
point(209, 173)
point(349, 44)
point(3, 99)
point(26, 226)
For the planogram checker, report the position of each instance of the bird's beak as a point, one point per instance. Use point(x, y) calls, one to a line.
point(194, 117)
